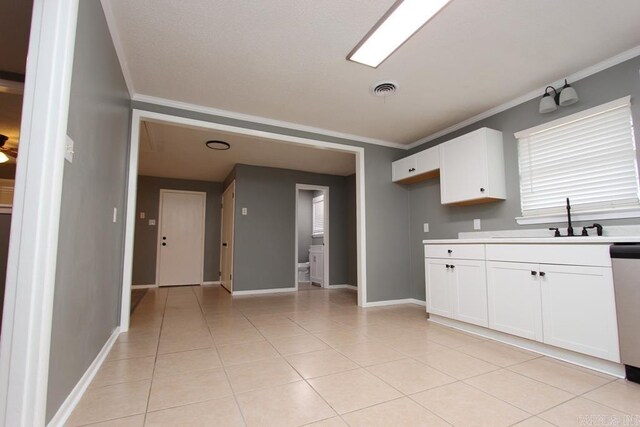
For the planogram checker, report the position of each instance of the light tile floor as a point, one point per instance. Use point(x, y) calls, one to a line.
point(195, 356)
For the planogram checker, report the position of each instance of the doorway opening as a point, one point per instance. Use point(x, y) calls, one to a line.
point(312, 237)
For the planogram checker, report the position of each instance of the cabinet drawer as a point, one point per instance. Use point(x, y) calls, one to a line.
point(582, 254)
point(454, 251)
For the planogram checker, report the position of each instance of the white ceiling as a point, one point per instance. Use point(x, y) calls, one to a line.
point(179, 152)
point(285, 59)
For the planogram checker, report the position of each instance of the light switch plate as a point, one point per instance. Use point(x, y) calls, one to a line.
point(244, 211)
point(115, 215)
point(426, 227)
point(476, 224)
point(68, 150)
point(152, 222)
point(142, 215)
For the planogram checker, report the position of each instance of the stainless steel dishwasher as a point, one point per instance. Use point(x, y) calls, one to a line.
point(625, 259)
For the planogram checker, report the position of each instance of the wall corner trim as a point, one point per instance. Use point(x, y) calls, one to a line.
point(70, 403)
point(395, 302)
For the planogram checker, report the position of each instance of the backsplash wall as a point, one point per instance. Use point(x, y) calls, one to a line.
point(445, 222)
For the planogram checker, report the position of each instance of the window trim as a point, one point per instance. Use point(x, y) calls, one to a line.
point(600, 214)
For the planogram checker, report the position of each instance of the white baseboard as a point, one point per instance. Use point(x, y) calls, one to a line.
point(70, 403)
point(353, 288)
point(211, 283)
point(394, 302)
point(143, 286)
point(600, 365)
point(264, 291)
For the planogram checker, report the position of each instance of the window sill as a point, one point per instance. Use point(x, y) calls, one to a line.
point(580, 216)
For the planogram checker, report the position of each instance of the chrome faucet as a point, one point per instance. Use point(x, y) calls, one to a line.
point(569, 227)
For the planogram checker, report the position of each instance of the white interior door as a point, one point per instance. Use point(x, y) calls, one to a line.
point(181, 238)
point(226, 247)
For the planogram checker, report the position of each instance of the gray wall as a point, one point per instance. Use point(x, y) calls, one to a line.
point(90, 247)
point(146, 236)
point(305, 225)
point(387, 212)
point(447, 221)
point(264, 244)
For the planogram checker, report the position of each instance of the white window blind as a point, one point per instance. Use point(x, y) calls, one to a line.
point(589, 157)
point(318, 216)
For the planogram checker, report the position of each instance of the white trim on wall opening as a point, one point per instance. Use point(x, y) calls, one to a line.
point(33, 245)
point(325, 238)
point(139, 115)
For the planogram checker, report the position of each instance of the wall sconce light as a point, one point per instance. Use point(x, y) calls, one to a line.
point(565, 96)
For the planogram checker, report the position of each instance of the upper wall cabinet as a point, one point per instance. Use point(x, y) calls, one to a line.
point(417, 167)
point(472, 168)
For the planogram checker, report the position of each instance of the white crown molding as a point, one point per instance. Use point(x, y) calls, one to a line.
point(261, 120)
point(117, 44)
point(593, 69)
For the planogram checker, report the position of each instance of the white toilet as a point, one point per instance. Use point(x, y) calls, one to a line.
point(303, 272)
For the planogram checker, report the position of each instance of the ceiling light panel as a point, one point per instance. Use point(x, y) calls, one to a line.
point(401, 22)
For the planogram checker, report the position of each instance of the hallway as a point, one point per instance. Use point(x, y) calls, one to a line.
point(195, 356)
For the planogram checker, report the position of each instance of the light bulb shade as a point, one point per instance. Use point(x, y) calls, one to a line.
point(547, 104)
point(3, 157)
point(568, 96)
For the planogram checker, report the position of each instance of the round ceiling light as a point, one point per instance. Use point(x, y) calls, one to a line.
point(218, 145)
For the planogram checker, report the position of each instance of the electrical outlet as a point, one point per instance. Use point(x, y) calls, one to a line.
point(425, 227)
point(152, 222)
point(142, 215)
point(476, 224)
point(244, 211)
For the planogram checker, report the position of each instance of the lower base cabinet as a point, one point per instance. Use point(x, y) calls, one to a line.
point(514, 300)
point(457, 288)
point(563, 305)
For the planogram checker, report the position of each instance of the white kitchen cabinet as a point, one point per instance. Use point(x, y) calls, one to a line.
point(457, 288)
point(472, 168)
point(515, 306)
point(417, 167)
point(578, 308)
point(316, 264)
point(469, 298)
point(438, 288)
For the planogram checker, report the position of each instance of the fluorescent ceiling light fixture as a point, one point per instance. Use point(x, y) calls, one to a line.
point(393, 29)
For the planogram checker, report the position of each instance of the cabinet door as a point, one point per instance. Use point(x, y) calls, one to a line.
point(428, 161)
point(463, 168)
point(438, 282)
point(469, 291)
point(578, 308)
point(403, 168)
point(514, 299)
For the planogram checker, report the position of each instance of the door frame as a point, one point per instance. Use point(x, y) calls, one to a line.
point(33, 245)
point(137, 116)
point(231, 187)
point(325, 249)
point(164, 191)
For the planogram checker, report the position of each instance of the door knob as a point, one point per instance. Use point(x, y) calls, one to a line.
point(164, 244)
point(534, 273)
point(449, 251)
point(164, 237)
point(224, 244)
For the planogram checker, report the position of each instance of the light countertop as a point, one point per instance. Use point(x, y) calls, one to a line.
point(537, 240)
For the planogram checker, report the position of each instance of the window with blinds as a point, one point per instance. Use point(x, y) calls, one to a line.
point(318, 216)
point(589, 157)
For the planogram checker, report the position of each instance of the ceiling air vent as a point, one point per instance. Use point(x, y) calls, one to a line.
point(384, 88)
